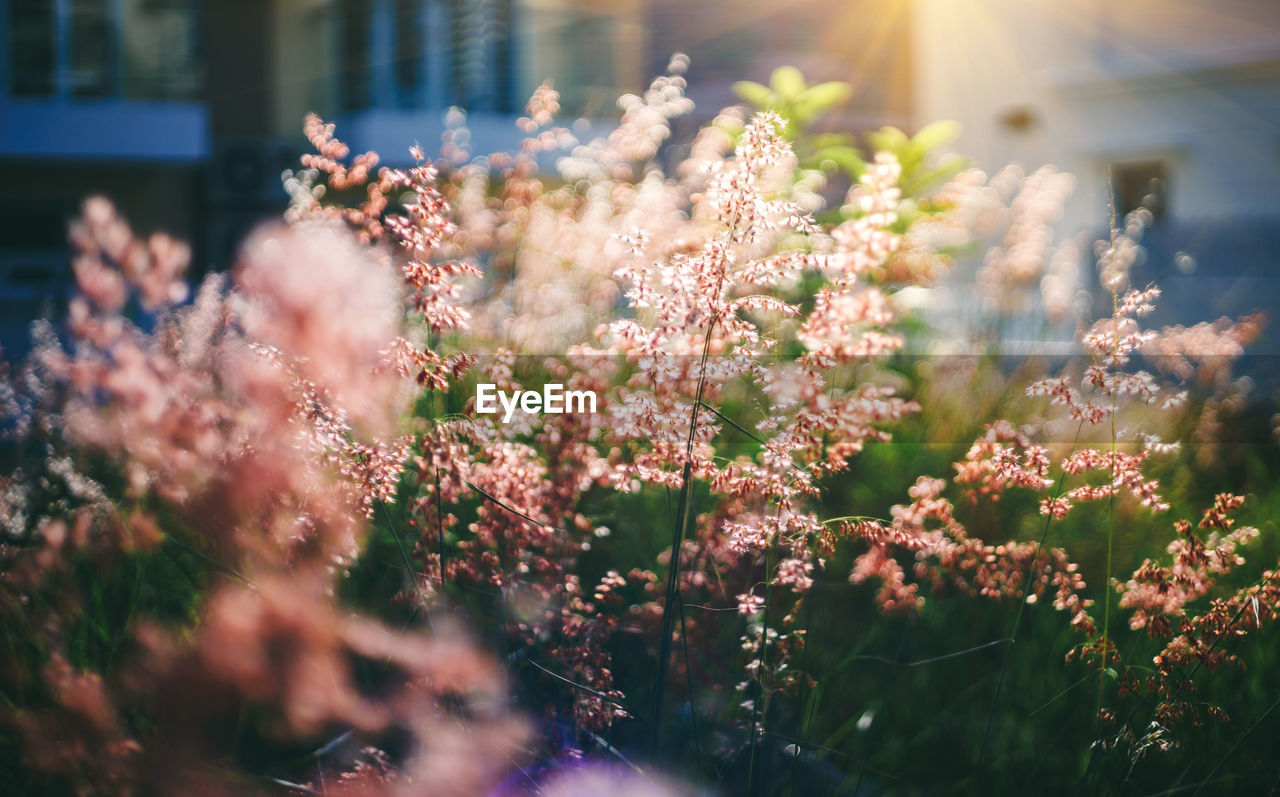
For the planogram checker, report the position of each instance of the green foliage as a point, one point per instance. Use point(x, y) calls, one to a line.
point(921, 169)
point(801, 105)
point(793, 99)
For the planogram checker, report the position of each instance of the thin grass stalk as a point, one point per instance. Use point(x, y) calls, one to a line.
point(409, 570)
point(803, 730)
point(440, 535)
point(863, 763)
point(1111, 504)
point(758, 707)
point(1239, 741)
point(668, 616)
point(677, 538)
point(1244, 606)
point(688, 672)
point(1017, 621)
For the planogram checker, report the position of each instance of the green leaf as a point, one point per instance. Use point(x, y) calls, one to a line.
point(787, 82)
point(911, 157)
point(908, 210)
point(846, 159)
point(825, 96)
point(823, 140)
point(757, 95)
point(935, 134)
point(946, 169)
point(888, 139)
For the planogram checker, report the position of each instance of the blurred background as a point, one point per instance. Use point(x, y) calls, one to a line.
point(186, 112)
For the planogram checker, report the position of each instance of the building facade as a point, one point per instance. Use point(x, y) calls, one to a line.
point(1171, 105)
point(185, 112)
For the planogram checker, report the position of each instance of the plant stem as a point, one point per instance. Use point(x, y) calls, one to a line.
point(677, 537)
point(668, 610)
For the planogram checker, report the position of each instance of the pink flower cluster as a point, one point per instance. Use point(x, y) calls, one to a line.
point(262, 427)
point(248, 430)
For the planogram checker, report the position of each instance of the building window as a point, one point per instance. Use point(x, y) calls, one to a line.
point(591, 54)
point(160, 52)
point(91, 50)
point(589, 86)
point(1140, 184)
point(142, 49)
point(426, 53)
point(480, 62)
point(356, 27)
point(33, 48)
point(410, 39)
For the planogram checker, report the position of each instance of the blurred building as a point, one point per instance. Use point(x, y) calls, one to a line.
point(384, 70)
point(162, 105)
point(185, 112)
point(1170, 105)
point(88, 104)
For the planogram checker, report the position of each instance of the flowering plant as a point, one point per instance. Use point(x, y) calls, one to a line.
point(297, 456)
